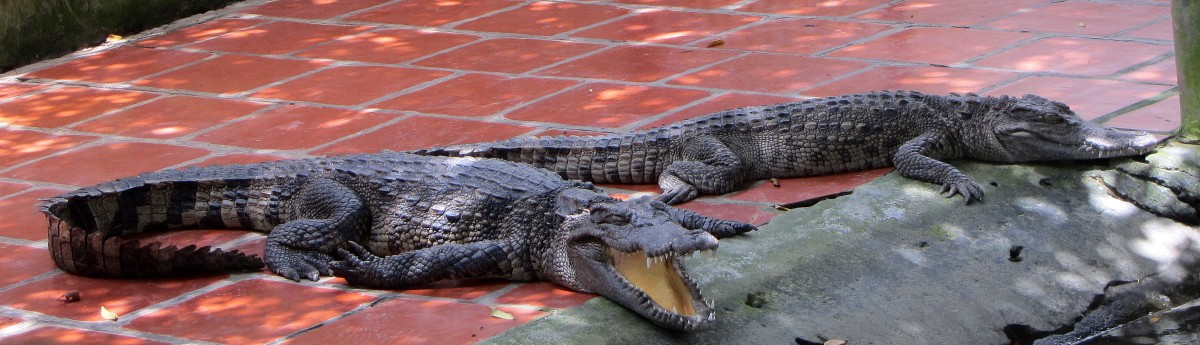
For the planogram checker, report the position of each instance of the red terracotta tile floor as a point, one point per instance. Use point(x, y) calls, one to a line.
point(266, 80)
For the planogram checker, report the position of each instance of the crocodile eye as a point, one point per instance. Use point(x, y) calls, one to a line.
point(614, 219)
point(1053, 119)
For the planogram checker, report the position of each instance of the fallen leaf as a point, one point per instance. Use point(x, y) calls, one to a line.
point(500, 314)
point(782, 208)
point(775, 182)
point(716, 43)
point(108, 315)
point(113, 38)
point(835, 342)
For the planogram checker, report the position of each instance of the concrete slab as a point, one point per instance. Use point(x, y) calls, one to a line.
point(895, 263)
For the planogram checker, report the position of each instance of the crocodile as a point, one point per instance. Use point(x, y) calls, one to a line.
point(915, 132)
point(396, 220)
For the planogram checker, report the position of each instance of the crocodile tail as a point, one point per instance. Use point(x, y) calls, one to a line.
point(614, 158)
point(89, 229)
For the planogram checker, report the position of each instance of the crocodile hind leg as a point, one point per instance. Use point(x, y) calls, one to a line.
point(451, 260)
point(708, 167)
point(330, 215)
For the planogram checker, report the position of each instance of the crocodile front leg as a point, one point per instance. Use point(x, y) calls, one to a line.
point(913, 160)
point(719, 228)
point(330, 215)
point(708, 167)
point(452, 260)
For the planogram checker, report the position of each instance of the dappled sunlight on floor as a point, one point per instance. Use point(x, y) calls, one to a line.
point(271, 79)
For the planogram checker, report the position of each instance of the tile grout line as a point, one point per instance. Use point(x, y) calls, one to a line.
point(39, 320)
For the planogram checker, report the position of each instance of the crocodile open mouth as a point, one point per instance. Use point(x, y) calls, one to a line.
point(661, 279)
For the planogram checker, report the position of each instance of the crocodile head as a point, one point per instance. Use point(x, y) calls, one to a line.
point(631, 252)
point(1033, 128)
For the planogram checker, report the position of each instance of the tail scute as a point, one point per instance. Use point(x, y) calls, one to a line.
point(77, 251)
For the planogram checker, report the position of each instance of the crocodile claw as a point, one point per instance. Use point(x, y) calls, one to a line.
point(680, 195)
point(355, 263)
point(726, 228)
point(297, 265)
point(965, 187)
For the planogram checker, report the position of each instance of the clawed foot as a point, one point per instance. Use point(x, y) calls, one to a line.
point(296, 264)
point(356, 264)
point(726, 228)
point(678, 195)
point(962, 186)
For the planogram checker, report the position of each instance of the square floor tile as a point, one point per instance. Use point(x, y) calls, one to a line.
point(770, 73)
point(1082, 18)
point(119, 65)
point(388, 46)
point(942, 46)
point(812, 7)
point(63, 106)
point(1161, 116)
point(1089, 98)
point(311, 9)
point(431, 12)
point(60, 335)
point(750, 214)
point(277, 38)
point(937, 80)
point(121, 296)
point(231, 74)
point(424, 322)
point(17, 146)
point(1075, 56)
point(606, 105)
point(638, 63)
point(170, 117)
point(544, 295)
point(6, 321)
point(349, 85)
point(105, 162)
point(706, 4)
point(671, 27)
point(237, 158)
point(804, 188)
point(457, 289)
point(1162, 30)
point(475, 95)
point(10, 188)
point(949, 12)
point(251, 311)
point(511, 55)
point(22, 262)
point(420, 132)
point(724, 102)
point(21, 217)
point(10, 90)
point(1161, 72)
point(294, 128)
point(798, 36)
point(544, 18)
point(199, 32)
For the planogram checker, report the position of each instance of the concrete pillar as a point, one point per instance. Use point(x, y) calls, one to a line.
point(1186, 16)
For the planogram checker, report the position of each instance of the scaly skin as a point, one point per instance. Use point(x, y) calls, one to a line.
point(420, 219)
point(915, 132)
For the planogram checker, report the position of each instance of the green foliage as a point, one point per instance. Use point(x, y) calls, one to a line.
point(32, 30)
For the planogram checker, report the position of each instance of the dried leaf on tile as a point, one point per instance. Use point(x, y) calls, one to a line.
point(500, 314)
point(108, 315)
